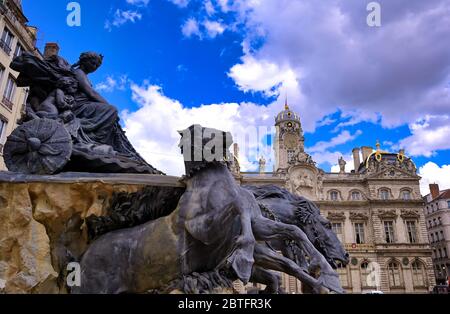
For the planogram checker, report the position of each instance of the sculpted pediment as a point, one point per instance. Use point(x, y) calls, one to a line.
point(392, 172)
point(387, 214)
point(336, 216)
point(410, 214)
point(358, 216)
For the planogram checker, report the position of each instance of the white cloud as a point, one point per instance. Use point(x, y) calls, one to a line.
point(342, 138)
point(213, 28)
point(432, 173)
point(209, 7)
point(138, 3)
point(111, 83)
point(429, 135)
point(122, 17)
point(180, 3)
point(153, 127)
point(190, 28)
point(339, 61)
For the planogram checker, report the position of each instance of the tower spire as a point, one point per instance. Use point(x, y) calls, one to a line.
point(286, 106)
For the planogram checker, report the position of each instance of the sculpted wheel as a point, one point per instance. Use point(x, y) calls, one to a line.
point(40, 146)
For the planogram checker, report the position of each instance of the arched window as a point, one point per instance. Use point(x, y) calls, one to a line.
point(406, 195)
point(419, 275)
point(334, 195)
point(343, 274)
point(368, 276)
point(394, 273)
point(384, 194)
point(356, 196)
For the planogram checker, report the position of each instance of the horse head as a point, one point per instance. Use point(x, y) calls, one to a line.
point(319, 231)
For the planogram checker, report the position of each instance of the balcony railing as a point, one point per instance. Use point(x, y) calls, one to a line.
point(5, 47)
point(7, 103)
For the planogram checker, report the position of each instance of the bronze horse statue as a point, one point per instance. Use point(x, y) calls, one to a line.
point(280, 205)
point(216, 226)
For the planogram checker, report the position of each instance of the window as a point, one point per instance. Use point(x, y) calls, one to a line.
point(394, 274)
point(384, 194)
point(442, 235)
point(434, 222)
point(440, 253)
point(359, 233)
point(430, 224)
point(368, 276)
point(343, 274)
point(389, 231)
point(19, 50)
point(432, 238)
point(10, 89)
point(3, 124)
point(2, 70)
point(334, 195)
point(291, 155)
point(439, 221)
point(356, 196)
point(445, 252)
point(448, 204)
point(337, 229)
point(406, 195)
point(418, 271)
point(6, 41)
point(412, 231)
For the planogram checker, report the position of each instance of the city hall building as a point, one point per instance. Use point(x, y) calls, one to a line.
point(376, 210)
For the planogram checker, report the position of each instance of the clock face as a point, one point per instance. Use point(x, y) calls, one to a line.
point(291, 141)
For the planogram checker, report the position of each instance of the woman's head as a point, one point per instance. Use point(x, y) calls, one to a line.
point(90, 61)
point(68, 85)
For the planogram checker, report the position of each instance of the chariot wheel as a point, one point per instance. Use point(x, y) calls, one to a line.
point(40, 146)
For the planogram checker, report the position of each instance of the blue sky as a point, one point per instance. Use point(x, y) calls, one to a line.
point(231, 63)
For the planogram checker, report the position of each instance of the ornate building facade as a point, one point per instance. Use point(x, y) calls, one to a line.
point(437, 215)
point(16, 37)
point(376, 210)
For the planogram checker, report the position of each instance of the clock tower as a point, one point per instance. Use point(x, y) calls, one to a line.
point(289, 139)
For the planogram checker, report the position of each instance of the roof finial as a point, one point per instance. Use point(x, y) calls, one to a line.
point(378, 145)
point(286, 106)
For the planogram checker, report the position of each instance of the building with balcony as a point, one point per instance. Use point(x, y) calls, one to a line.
point(437, 215)
point(376, 210)
point(16, 37)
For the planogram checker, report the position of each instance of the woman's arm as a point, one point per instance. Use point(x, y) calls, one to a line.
point(85, 87)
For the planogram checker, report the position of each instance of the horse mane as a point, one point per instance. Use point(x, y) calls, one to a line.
point(304, 208)
point(128, 210)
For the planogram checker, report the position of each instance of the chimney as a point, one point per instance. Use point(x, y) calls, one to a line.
point(434, 189)
point(366, 151)
point(356, 158)
point(51, 49)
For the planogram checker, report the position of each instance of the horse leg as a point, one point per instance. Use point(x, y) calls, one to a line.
point(265, 230)
point(242, 258)
point(269, 278)
point(266, 258)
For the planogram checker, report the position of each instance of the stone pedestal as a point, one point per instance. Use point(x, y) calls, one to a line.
point(42, 219)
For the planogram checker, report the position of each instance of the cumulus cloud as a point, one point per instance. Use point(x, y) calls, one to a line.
point(342, 138)
point(180, 3)
point(190, 28)
point(375, 74)
point(112, 83)
point(213, 28)
point(432, 173)
point(152, 128)
point(122, 17)
point(138, 3)
point(429, 135)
